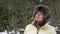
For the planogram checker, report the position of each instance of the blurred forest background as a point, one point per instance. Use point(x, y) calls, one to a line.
point(15, 14)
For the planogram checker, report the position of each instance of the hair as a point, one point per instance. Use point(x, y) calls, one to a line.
point(44, 9)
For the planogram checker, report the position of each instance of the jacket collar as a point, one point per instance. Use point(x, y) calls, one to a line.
point(44, 25)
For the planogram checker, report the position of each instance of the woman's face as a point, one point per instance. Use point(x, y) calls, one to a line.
point(39, 17)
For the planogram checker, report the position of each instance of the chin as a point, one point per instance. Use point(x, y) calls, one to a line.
point(40, 23)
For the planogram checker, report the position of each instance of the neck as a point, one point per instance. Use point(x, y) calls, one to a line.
point(36, 25)
point(39, 25)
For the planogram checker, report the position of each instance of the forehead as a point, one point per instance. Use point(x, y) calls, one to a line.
point(39, 12)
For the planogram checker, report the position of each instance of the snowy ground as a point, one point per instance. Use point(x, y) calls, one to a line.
point(12, 32)
point(18, 32)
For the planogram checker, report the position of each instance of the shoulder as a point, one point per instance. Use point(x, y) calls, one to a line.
point(51, 29)
point(29, 26)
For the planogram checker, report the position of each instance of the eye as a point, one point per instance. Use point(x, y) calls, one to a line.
point(40, 13)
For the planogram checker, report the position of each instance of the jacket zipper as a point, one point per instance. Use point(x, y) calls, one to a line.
point(37, 31)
